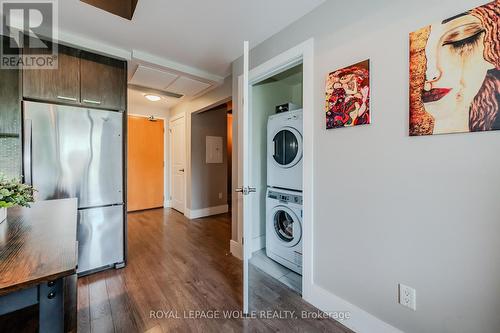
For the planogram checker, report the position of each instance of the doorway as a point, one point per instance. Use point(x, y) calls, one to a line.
point(301, 54)
point(178, 163)
point(209, 157)
point(145, 155)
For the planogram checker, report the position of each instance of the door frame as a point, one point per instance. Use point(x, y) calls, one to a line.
point(302, 53)
point(186, 162)
point(166, 190)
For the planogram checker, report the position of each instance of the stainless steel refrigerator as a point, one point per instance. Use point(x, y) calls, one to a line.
point(77, 152)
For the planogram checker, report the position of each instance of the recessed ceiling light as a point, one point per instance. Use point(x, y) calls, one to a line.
point(153, 98)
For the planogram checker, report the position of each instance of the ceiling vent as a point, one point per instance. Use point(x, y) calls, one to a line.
point(172, 83)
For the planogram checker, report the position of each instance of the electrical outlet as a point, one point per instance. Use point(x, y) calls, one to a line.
point(220, 195)
point(407, 297)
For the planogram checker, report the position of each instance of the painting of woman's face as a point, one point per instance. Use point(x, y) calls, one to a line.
point(448, 71)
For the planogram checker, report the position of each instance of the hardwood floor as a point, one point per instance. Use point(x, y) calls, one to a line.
point(176, 265)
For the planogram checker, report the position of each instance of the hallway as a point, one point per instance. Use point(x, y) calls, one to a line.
point(178, 265)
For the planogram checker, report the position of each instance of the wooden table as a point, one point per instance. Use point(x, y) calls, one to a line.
point(38, 261)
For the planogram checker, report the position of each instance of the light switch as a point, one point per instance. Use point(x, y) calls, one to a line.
point(214, 149)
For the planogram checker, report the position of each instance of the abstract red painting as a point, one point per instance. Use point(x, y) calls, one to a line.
point(348, 96)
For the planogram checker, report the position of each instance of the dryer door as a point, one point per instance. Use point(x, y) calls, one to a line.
point(287, 147)
point(286, 225)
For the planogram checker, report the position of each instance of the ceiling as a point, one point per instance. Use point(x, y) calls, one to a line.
point(136, 100)
point(198, 36)
point(167, 81)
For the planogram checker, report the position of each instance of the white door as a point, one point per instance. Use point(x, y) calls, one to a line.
point(178, 163)
point(245, 188)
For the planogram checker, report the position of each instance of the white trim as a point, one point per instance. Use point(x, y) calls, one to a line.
point(236, 249)
point(176, 117)
point(181, 68)
point(145, 116)
point(167, 204)
point(258, 243)
point(359, 320)
point(203, 212)
point(94, 46)
point(166, 152)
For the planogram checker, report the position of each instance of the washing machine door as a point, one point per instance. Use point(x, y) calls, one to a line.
point(287, 144)
point(286, 225)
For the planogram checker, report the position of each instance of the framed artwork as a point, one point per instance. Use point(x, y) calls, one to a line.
point(348, 96)
point(454, 74)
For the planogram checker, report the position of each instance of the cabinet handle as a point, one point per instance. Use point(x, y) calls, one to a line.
point(89, 101)
point(64, 98)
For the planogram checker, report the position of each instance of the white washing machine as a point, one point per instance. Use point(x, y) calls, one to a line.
point(284, 228)
point(284, 150)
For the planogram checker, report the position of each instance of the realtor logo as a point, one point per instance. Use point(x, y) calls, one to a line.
point(29, 29)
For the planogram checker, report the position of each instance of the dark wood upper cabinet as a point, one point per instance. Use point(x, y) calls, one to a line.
point(59, 85)
point(10, 100)
point(103, 82)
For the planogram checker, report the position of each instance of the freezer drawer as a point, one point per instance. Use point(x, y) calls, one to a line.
point(100, 237)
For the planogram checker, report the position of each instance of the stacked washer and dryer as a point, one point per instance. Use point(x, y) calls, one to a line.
point(284, 189)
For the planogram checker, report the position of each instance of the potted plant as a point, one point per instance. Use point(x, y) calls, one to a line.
point(13, 193)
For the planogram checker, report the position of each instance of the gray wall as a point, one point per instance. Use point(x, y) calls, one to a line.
point(208, 180)
point(391, 208)
point(221, 94)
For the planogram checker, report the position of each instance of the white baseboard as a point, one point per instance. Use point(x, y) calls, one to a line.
point(236, 249)
point(167, 204)
point(197, 213)
point(359, 320)
point(258, 243)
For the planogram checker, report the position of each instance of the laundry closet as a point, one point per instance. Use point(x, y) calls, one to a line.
point(276, 155)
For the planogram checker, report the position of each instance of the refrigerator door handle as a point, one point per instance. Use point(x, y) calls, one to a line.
point(27, 152)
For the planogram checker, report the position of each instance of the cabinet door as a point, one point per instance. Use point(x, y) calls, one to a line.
point(103, 82)
point(58, 85)
point(10, 100)
point(10, 120)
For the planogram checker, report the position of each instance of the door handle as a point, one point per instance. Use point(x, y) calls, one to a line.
point(181, 170)
point(89, 101)
point(245, 190)
point(64, 98)
point(27, 155)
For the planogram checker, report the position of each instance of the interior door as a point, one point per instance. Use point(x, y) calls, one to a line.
point(245, 189)
point(145, 163)
point(178, 164)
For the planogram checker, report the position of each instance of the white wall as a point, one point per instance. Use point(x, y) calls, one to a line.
point(138, 105)
point(390, 208)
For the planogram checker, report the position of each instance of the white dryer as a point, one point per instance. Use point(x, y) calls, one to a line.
point(284, 150)
point(284, 228)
